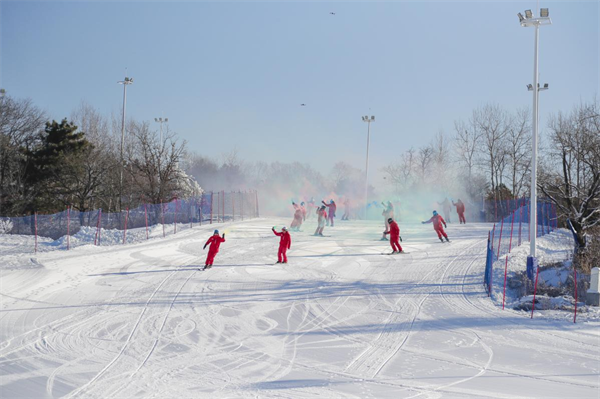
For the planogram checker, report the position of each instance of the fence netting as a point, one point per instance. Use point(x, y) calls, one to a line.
point(514, 228)
point(210, 207)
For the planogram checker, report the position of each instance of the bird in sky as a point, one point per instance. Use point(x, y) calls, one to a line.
point(332, 13)
point(303, 105)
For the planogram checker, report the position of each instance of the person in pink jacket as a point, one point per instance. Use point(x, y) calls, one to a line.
point(394, 232)
point(331, 208)
point(215, 242)
point(437, 221)
point(285, 242)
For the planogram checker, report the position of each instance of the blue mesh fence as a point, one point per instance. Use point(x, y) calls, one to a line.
point(210, 207)
point(515, 226)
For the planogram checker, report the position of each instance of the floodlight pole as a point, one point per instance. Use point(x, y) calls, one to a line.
point(534, 160)
point(527, 21)
point(368, 120)
point(125, 83)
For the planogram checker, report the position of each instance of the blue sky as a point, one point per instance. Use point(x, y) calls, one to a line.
point(234, 74)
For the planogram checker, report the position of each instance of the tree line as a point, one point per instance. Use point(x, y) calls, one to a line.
point(47, 165)
point(488, 156)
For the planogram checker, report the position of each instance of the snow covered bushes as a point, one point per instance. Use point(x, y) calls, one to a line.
point(5, 226)
point(588, 258)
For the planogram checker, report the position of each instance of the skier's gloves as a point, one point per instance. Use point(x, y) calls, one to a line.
point(204, 247)
point(223, 235)
point(400, 238)
point(445, 225)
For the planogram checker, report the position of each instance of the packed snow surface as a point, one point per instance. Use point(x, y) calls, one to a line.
point(341, 319)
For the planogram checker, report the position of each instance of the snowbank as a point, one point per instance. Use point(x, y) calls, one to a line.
point(554, 248)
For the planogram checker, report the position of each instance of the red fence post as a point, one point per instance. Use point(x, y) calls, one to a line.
point(218, 205)
point(162, 216)
point(200, 209)
point(500, 238)
point(506, 262)
point(537, 273)
point(212, 194)
point(68, 227)
point(575, 278)
point(257, 210)
point(36, 230)
point(125, 231)
point(223, 192)
point(175, 229)
point(98, 226)
point(146, 217)
point(520, 222)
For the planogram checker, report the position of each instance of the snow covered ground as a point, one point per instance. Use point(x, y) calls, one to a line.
point(342, 319)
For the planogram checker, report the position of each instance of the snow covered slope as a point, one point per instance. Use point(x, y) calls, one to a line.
point(340, 320)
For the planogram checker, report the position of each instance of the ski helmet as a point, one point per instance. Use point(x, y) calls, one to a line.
point(331, 201)
point(434, 213)
point(284, 228)
point(302, 203)
point(390, 220)
point(216, 232)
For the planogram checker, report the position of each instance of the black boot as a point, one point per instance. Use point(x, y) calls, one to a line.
point(447, 240)
point(441, 239)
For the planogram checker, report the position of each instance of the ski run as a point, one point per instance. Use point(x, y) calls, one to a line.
point(339, 320)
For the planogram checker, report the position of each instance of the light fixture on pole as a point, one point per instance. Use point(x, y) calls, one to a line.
point(368, 120)
point(2, 94)
point(530, 21)
point(161, 121)
point(125, 83)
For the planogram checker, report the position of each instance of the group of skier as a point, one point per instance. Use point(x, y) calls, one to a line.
point(325, 215)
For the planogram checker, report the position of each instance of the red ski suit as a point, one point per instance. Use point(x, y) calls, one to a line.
point(331, 208)
point(297, 222)
point(394, 233)
point(215, 242)
point(437, 221)
point(460, 209)
point(285, 242)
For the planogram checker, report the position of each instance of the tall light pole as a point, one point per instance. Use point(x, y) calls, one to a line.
point(160, 143)
point(125, 83)
point(161, 121)
point(527, 21)
point(368, 120)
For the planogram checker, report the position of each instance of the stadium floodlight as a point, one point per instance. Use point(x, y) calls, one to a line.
point(521, 18)
point(368, 120)
point(529, 20)
point(2, 92)
point(161, 121)
point(126, 82)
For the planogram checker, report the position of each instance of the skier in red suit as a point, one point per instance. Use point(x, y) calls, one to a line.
point(331, 208)
point(297, 222)
point(437, 221)
point(285, 242)
point(394, 232)
point(303, 209)
point(215, 242)
point(460, 209)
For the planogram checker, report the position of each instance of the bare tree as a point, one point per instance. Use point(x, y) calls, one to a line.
point(518, 150)
point(467, 144)
point(153, 165)
point(20, 123)
point(574, 182)
point(492, 122)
